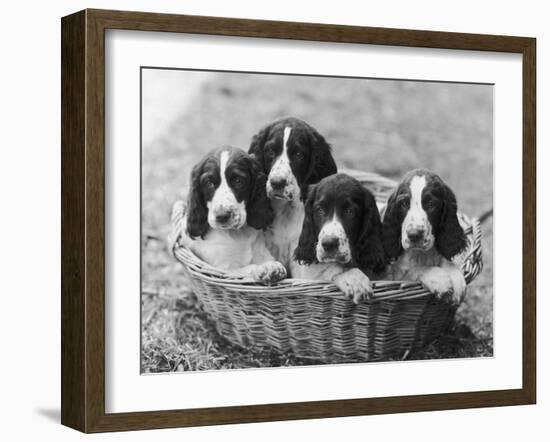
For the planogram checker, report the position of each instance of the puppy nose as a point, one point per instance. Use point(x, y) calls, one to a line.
point(330, 244)
point(415, 234)
point(223, 217)
point(277, 183)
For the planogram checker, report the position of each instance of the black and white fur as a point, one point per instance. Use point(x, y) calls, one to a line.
point(226, 215)
point(422, 234)
point(293, 155)
point(341, 238)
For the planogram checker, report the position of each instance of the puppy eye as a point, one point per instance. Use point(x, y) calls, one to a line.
point(238, 181)
point(348, 211)
point(429, 202)
point(300, 155)
point(319, 210)
point(210, 184)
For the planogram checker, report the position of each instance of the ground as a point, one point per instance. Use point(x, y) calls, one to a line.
point(388, 127)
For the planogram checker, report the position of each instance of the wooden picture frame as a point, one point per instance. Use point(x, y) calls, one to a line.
point(83, 220)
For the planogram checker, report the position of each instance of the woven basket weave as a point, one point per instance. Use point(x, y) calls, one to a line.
point(313, 320)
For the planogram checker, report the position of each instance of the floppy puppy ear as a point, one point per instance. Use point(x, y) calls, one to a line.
point(391, 228)
point(305, 252)
point(368, 251)
point(322, 163)
point(257, 144)
point(197, 212)
point(450, 239)
point(259, 213)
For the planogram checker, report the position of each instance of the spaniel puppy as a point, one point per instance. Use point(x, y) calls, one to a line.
point(293, 156)
point(422, 233)
point(227, 211)
point(341, 238)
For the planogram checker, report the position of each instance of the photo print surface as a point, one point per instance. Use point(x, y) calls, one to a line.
point(300, 220)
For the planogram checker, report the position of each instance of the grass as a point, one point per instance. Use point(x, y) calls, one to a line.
point(384, 126)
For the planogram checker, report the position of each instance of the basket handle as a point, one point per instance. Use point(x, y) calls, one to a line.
point(178, 222)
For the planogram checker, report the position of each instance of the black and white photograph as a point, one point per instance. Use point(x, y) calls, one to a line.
point(271, 221)
point(291, 220)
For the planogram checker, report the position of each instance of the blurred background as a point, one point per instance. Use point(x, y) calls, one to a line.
point(384, 126)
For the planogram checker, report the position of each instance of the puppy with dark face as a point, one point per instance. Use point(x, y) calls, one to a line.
point(341, 238)
point(293, 155)
point(422, 234)
point(227, 213)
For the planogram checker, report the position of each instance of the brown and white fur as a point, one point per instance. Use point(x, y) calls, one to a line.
point(226, 215)
point(341, 239)
point(295, 155)
point(422, 234)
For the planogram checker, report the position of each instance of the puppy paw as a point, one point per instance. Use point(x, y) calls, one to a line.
point(270, 272)
point(355, 285)
point(459, 288)
point(438, 282)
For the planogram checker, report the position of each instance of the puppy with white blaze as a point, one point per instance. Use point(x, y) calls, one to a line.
point(422, 234)
point(227, 213)
point(341, 238)
point(293, 155)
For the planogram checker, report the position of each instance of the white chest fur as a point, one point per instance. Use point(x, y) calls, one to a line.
point(413, 259)
point(283, 234)
point(227, 249)
point(316, 271)
point(437, 274)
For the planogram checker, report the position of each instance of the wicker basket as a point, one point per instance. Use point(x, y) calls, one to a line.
point(312, 319)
